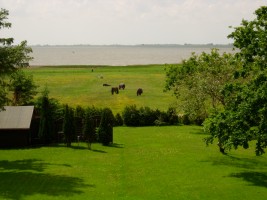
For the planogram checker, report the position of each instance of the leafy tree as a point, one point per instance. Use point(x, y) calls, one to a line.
point(3, 95)
point(197, 82)
point(12, 57)
point(244, 117)
point(22, 87)
point(250, 38)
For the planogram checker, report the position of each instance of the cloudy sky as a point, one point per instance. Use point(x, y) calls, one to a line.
point(126, 21)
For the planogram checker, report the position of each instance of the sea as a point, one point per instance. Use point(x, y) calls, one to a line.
point(118, 55)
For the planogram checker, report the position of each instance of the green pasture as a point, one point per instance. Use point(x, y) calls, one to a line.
point(78, 85)
point(144, 163)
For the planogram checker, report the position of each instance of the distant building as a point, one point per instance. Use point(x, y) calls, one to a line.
point(16, 126)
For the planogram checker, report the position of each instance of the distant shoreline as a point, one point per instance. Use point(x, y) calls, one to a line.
point(209, 45)
point(118, 55)
point(98, 66)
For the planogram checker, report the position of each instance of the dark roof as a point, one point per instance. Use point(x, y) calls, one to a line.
point(16, 117)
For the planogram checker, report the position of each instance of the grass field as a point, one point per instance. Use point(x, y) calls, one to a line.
point(78, 85)
point(144, 163)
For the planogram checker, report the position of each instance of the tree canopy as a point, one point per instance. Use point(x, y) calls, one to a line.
point(22, 87)
point(198, 81)
point(244, 117)
point(228, 91)
point(250, 38)
point(12, 57)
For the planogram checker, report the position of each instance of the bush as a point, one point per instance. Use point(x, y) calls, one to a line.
point(185, 119)
point(131, 116)
point(118, 120)
point(147, 116)
point(172, 117)
point(160, 123)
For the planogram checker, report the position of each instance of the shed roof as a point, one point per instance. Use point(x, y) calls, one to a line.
point(16, 117)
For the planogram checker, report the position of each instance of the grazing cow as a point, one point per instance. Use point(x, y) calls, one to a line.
point(122, 86)
point(105, 84)
point(139, 91)
point(114, 89)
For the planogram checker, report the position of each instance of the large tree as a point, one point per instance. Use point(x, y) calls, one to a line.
point(244, 117)
point(22, 87)
point(198, 81)
point(12, 57)
point(250, 38)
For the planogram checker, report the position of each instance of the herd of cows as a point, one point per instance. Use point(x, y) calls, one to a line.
point(122, 87)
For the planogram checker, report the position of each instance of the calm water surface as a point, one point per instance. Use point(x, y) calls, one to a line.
point(116, 55)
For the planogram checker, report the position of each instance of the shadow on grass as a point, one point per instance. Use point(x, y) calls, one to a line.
point(17, 185)
point(255, 178)
point(22, 178)
point(98, 151)
point(244, 163)
point(78, 147)
point(254, 169)
point(26, 164)
point(115, 145)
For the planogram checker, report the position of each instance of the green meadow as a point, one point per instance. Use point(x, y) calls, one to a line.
point(78, 85)
point(169, 162)
point(143, 163)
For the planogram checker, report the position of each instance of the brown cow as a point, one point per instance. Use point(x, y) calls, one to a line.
point(122, 86)
point(139, 91)
point(114, 89)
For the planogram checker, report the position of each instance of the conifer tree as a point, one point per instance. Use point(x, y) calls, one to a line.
point(68, 125)
point(105, 129)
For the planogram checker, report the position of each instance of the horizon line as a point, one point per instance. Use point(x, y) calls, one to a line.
point(144, 44)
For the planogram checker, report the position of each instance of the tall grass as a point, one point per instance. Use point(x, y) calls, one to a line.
point(144, 163)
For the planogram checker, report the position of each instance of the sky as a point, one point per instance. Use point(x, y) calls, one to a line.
point(126, 22)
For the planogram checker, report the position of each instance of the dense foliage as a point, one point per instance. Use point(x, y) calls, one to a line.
point(105, 129)
point(68, 125)
point(22, 87)
point(91, 119)
point(145, 116)
point(244, 117)
point(48, 110)
point(198, 81)
point(250, 38)
point(12, 57)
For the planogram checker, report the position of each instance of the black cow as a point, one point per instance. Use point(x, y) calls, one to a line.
point(115, 89)
point(139, 91)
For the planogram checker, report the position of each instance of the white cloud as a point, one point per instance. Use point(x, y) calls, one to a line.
point(126, 21)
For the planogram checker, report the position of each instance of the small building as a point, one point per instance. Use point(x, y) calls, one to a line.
point(15, 126)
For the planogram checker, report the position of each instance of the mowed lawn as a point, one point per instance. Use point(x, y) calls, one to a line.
point(78, 85)
point(144, 163)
